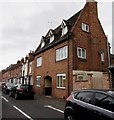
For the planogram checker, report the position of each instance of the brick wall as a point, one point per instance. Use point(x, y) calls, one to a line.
point(93, 41)
point(92, 81)
point(51, 67)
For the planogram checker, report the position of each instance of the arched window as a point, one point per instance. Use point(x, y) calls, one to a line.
point(64, 28)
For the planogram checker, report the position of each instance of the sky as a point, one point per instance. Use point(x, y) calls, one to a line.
point(24, 22)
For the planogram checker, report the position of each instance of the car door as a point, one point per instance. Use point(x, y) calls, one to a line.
point(104, 106)
point(84, 105)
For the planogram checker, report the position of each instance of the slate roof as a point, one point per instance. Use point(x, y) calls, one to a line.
point(57, 34)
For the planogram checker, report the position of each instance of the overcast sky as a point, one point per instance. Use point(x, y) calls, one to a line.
point(23, 23)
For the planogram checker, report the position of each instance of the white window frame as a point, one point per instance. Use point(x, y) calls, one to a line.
point(39, 62)
point(80, 55)
point(38, 78)
point(85, 27)
point(59, 84)
point(62, 53)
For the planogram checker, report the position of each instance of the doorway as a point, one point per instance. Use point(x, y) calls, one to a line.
point(48, 85)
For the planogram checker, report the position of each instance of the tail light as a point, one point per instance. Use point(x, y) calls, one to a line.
point(69, 98)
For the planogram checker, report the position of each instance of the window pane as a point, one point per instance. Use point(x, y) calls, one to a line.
point(64, 82)
point(105, 101)
point(83, 53)
point(39, 61)
point(38, 80)
point(85, 96)
point(79, 52)
point(61, 53)
point(57, 54)
point(102, 57)
point(61, 80)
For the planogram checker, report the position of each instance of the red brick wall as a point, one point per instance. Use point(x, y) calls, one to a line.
point(93, 41)
point(51, 68)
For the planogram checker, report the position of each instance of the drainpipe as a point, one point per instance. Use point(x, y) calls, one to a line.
point(68, 70)
point(108, 46)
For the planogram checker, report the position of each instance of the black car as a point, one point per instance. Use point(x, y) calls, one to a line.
point(90, 105)
point(22, 91)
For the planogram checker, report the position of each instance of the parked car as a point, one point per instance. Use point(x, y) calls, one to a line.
point(7, 87)
point(22, 91)
point(2, 84)
point(90, 105)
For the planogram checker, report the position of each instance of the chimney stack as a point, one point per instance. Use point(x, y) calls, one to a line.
point(92, 5)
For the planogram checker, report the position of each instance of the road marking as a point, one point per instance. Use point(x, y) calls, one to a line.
point(23, 113)
point(49, 106)
point(4, 98)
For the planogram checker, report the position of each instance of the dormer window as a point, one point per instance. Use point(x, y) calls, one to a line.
point(85, 27)
point(64, 28)
point(42, 43)
point(51, 36)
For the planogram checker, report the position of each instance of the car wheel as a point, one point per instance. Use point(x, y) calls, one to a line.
point(16, 96)
point(70, 117)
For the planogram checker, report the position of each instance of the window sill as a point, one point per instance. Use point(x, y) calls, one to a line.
point(61, 88)
point(61, 60)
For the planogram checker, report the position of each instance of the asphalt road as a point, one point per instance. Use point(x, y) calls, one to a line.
point(40, 108)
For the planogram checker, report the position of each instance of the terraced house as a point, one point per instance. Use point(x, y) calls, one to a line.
point(73, 56)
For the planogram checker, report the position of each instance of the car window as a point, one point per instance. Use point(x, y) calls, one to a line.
point(85, 96)
point(104, 101)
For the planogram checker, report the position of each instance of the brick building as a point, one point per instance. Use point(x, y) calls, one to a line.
point(27, 69)
point(73, 56)
point(13, 73)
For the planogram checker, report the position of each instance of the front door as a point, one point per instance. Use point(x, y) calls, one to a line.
point(48, 85)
